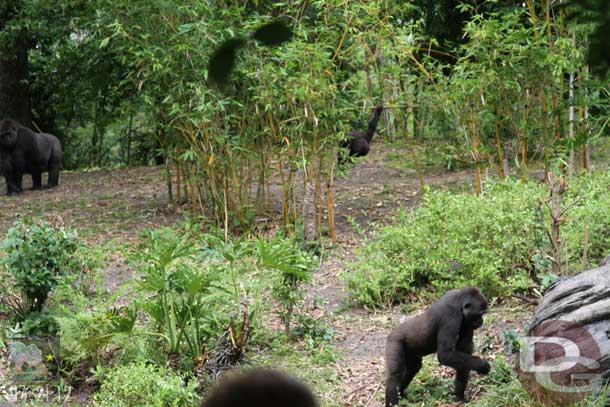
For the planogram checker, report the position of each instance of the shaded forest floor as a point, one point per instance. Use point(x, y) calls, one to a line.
point(111, 207)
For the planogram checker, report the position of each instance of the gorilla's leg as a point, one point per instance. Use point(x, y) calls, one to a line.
point(464, 344)
point(461, 381)
point(36, 179)
point(11, 188)
point(401, 369)
point(53, 175)
point(19, 181)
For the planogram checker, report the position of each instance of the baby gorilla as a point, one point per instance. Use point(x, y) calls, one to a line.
point(446, 328)
point(261, 388)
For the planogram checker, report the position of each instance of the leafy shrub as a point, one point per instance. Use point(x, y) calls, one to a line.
point(175, 291)
point(85, 335)
point(37, 254)
point(140, 384)
point(451, 240)
point(591, 211)
point(494, 241)
point(293, 265)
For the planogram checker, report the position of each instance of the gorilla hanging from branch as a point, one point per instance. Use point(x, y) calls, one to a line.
point(358, 141)
point(23, 151)
point(446, 328)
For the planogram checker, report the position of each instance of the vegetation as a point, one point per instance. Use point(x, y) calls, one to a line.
point(37, 256)
point(499, 241)
point(228, 251)
point(139, 384)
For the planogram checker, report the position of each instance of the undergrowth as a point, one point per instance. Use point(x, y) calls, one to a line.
point(495, 241)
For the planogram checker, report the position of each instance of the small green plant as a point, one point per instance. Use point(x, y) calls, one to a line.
point(174, 291)
point(312, 328)
point(140, 384)
point(85, 335)
point(293, 264)
point(38, 253)
point(511, 338)
point(547, 280)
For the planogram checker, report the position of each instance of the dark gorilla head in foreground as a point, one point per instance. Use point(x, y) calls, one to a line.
point(261, 388)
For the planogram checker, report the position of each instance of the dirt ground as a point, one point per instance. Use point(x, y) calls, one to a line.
point(115, 205)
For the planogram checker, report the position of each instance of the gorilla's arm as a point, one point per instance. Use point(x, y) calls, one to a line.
point(449, 353)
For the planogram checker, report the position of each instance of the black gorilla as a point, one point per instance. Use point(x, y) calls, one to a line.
point(446, 328)
point(23, 151)
point(261, 388)
point(358, 141)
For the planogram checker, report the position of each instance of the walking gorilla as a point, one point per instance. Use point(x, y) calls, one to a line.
point(446, 328)
point(23, 151)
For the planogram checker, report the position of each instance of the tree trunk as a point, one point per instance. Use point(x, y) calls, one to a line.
point(566, 354)
point(14, 91)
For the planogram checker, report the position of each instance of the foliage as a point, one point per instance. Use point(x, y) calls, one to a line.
point(38, 253)
point(84, 336)
point(140, 384)
point(293, 265)
point(451, 240)
point(495, 241)
point(174, 290)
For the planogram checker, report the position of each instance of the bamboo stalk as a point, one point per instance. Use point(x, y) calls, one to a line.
point(285, 200)
point(318, 195)
point(503, 173)
point(475, 148)
point(178, 182)
point(330, 199)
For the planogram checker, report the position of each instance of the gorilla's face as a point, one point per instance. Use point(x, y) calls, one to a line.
point(473, 310)
point(8, 134)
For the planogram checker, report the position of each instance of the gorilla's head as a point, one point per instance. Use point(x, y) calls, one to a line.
point(474, 306)
point(8, 133)
point(261, 388)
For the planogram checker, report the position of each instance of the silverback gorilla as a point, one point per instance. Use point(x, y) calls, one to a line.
point(23, 151)
point(446, 328)
point(261, 388)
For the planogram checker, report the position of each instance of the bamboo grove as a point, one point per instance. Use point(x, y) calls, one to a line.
point(515, 89)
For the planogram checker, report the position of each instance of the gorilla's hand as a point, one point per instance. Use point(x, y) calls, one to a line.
point(484, 367)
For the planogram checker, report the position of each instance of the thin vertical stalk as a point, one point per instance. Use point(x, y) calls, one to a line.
point(475, 150)
point(503, 172)
point(330, 200)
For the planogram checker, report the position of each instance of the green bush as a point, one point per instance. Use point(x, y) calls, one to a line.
point(139, 384)
point(591, 212)
point(494, 241)
point(294, 266)
point(37, 254)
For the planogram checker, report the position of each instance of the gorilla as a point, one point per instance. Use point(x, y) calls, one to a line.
point(261, 388)
point(23, 151)
point(446, 328)
point(358, 141)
